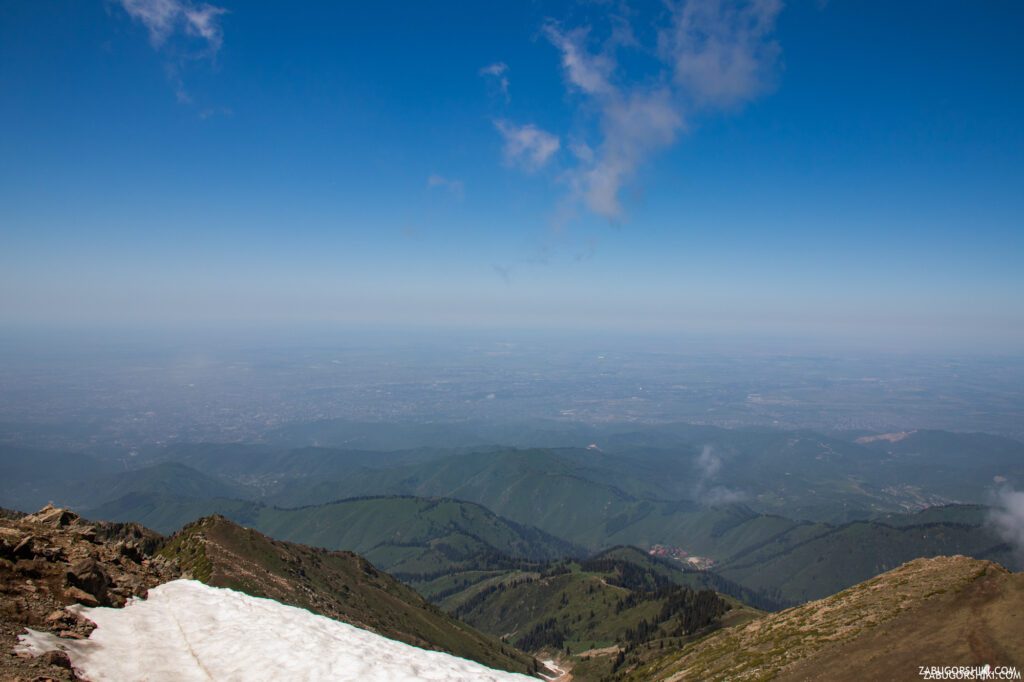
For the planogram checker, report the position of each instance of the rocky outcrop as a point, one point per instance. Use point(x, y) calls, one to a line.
point(52, 559)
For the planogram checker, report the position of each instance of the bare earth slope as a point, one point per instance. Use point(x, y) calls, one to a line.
point(945, 611)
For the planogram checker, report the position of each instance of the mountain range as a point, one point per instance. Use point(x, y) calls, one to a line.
point(474, 512)
point(619, 615)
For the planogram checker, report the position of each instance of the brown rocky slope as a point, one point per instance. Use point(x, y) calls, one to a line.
point(945, 611)
point(52, 559)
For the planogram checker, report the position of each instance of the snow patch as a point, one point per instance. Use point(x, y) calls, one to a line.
point(559, 673)
point(186, 631)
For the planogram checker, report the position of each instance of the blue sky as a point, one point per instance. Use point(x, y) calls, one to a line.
point(853, 170)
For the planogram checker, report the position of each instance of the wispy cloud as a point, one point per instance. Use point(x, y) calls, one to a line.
point(164, 18)
point(527, 146)
point(498, 71)
point(710, 55)
point(158, 16)
point(591, 73)
point(456, 187)
point(721, 53)
point(634, 121)
point(705, 491)
point(196, 25)
point(1007, 518)
point(202, 22)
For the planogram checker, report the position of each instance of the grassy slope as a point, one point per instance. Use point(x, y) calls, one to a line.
point(340, 585)
point(592, 607)
point(941, 611)
point(164, 478)
point(683, 575)
point(528, 599)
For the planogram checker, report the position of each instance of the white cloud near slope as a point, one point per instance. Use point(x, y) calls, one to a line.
point(1007, 517)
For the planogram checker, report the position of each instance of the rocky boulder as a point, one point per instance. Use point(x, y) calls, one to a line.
point(53, 559)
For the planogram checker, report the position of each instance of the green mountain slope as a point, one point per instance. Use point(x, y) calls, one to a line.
point(262, 466)
point(680, 574)
point(580, 496)
point(538, 487)
point(444, 546)
point(586, 612)
point(31, 478)
point(414, 538)
point(340, 585)
point(168, 513)
point(842, 556)
point(170, 479)
point(800, 475)
point(959, 466)
point(550, 490)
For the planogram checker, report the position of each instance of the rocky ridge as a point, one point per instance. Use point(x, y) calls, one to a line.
point(52, 559)
point(943, 611)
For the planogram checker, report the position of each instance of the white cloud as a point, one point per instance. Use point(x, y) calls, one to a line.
point(634, 121)
point(158, 16)
point(589, 72)
point(495, 69)
point(709, 464)
point(527, 145)
point(721, 52)
point(1007, 517)
point(633, 127)
point(456, 187)
point(202, 22)
point(711, 54)
point(499, 72)
point(164, 18)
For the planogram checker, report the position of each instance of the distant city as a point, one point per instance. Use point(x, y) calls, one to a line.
point(122, 399)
